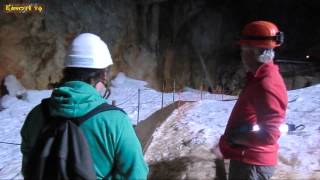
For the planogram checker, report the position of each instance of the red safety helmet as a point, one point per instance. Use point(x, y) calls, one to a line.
point(262, 34)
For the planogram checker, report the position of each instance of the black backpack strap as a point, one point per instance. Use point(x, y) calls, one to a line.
point(45, 107)
point(79, 120)
point(101, 108)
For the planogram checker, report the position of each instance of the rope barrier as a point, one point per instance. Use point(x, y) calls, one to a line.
point(17, 144)
point(131, 96)
point(180, 96)
point(127, 99)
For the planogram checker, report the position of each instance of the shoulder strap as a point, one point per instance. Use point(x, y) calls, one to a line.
point(45, 107)
point(101, 108)
point(79, 120)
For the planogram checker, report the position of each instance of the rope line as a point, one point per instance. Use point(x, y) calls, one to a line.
point(2, 142)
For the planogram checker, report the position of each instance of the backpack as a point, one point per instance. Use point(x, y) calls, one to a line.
point(61, 151)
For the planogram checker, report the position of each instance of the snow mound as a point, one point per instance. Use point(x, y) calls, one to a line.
point(122, 80)
point(14, 87)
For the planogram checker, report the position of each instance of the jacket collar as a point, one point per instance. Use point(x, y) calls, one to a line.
point(263, 71)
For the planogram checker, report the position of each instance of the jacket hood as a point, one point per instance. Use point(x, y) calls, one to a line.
point(74, 99)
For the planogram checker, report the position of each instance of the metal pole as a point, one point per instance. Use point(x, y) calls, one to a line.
point(138, 105)
point(222, 91)
point(174, 89)
point(162, 94)
point(201, 87)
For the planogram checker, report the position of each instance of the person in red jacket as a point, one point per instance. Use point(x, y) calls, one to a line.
point(262, 103)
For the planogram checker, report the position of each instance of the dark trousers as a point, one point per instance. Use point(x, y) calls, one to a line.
point(242, 171)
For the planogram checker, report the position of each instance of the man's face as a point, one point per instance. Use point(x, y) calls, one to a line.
point(248, 57)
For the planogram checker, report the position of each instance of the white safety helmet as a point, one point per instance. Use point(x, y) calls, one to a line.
point(88, 51)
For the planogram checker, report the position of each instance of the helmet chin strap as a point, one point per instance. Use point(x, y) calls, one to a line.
point(107, 93)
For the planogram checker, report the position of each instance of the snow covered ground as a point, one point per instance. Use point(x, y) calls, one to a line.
point(185, 140)
point(190, 130)
point(299, 150)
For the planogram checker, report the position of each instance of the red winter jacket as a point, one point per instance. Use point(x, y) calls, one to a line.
point(263, 101)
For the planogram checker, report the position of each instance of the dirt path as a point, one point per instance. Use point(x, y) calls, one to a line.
point(174, 155)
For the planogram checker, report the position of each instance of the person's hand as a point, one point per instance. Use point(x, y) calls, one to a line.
point(216, 151)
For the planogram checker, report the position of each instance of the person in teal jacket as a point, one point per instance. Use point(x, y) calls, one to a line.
point(114, 146)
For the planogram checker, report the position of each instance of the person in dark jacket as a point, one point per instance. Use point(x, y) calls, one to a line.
point(114, 146)
point(252, 132)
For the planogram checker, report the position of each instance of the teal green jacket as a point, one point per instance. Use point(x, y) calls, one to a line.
point(111, 137)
